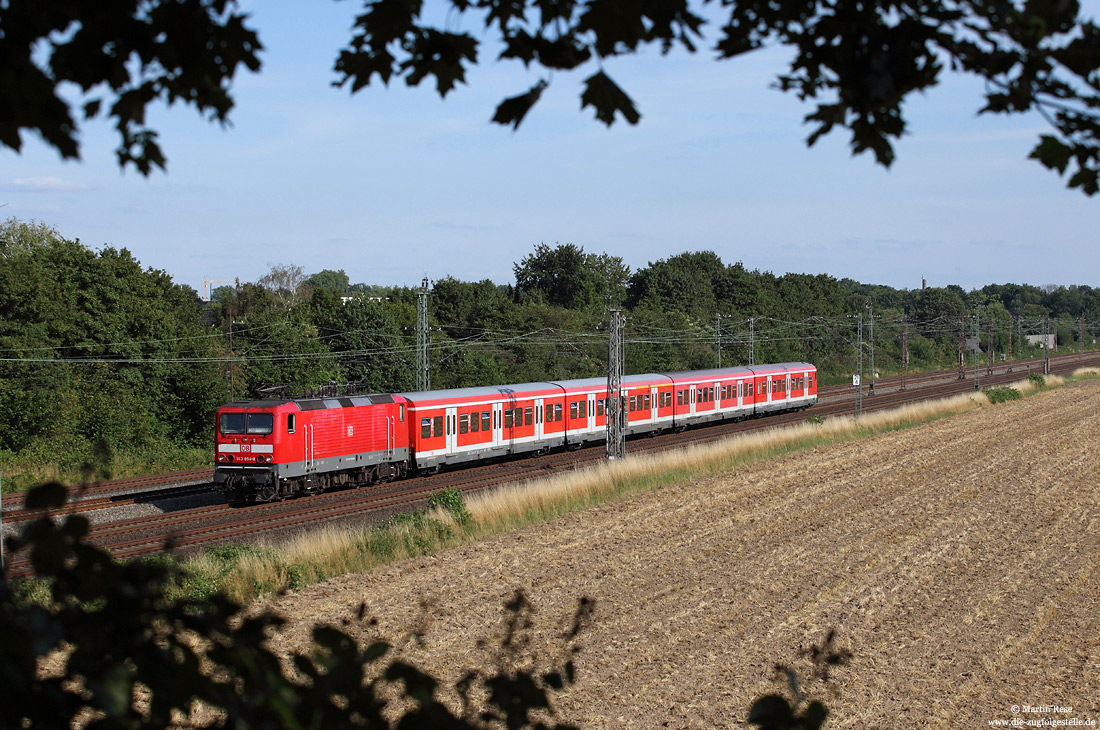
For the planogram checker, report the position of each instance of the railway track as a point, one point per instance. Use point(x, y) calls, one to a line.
point(187, 529)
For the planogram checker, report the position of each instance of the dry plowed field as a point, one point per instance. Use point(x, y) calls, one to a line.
point(959, 561)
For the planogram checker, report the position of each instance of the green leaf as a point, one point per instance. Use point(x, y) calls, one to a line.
point(606, 98)
point(1052, 153)
point(513, 110)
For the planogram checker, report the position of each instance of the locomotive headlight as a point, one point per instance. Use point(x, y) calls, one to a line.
point(221, 458)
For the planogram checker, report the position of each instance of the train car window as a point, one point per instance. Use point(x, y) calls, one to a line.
point(679, 397)
point(549, 418)
point(599, 406)
point(508, 416)
point(475, 422)
point(437, 426)
point(290, 422)
point(811, 380)
point(464, 423)
point(231, 423)
point(573, 409)
point(262, 423)
point(645, 402)
point(583, 409)
point(425, 428)
point(527, 413)
point(485, 422)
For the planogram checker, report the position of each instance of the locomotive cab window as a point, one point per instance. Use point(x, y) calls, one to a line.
point(261, 423)
point(231, 423)
point(238, 423)
point(290, 423)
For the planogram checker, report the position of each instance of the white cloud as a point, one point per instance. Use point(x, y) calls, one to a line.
point(44, 184)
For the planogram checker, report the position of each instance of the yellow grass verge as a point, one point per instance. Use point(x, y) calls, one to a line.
point(317, 555)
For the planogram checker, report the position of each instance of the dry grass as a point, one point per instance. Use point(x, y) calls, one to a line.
point(314, 556)
point(550, 496)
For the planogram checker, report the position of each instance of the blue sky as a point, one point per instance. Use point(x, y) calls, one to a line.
point(393, 185)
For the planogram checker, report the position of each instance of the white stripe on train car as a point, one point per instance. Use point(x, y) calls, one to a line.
point(245, 448)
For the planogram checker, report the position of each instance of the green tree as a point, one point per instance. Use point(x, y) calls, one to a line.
point(858, 62)
point(334, 281)
point(98, 352)
point(18, 237)
point(687, 282)
point(565, 276)
point(120, 58)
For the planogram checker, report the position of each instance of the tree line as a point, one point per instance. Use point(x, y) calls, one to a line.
point(100, 355)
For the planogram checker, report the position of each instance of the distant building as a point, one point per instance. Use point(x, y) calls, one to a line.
point(1047, 342)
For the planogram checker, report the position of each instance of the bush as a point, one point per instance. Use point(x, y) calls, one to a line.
point(1037, 379)
point(1000, 395)
point(450, 500)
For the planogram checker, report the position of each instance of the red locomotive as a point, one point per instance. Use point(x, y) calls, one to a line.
point(268, 450)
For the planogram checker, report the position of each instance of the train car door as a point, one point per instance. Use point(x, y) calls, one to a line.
point(538, 419)
point(691, 398)
point(498, 424)
point(591, 411)
point(307, 433)
point(653, 403)
point(452, 430)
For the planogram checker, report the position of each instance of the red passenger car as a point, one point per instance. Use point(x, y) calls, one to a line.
point(272, 449)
